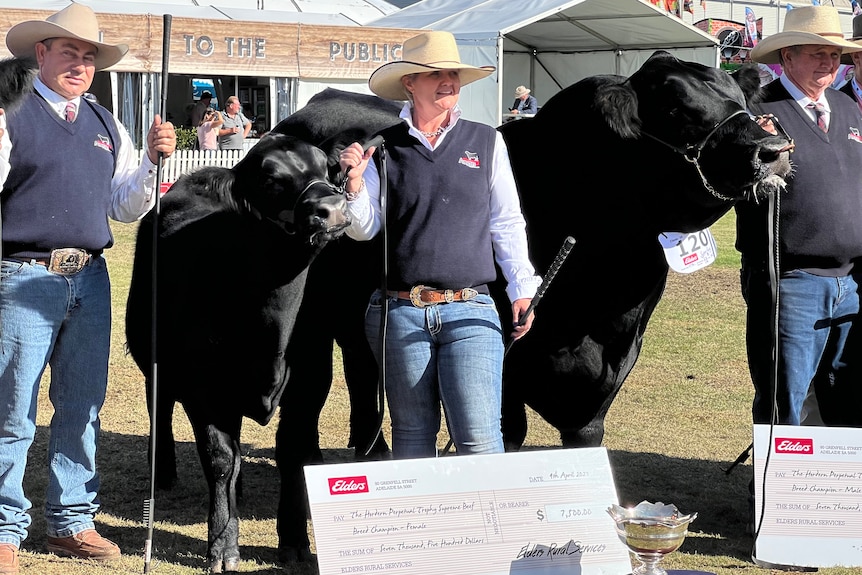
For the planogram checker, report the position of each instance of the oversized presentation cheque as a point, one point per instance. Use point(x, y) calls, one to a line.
point(808, 495)
point(527, 513)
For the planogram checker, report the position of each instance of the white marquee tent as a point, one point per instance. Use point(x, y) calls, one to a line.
point(550, 44)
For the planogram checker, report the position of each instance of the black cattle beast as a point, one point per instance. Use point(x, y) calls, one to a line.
point(233, 253)
point(610, 161)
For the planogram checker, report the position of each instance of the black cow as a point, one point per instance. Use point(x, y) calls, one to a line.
point(233, 253)
point(612, 162)
point(331, 311)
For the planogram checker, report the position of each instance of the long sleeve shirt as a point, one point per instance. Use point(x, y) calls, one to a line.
point(508, 227)
point(133, 184)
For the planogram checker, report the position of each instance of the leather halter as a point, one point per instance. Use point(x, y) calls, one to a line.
point(285, 218)
point(691, 152)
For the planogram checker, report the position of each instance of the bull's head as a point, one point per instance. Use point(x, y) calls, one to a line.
point(701, 114)
point(283, 180)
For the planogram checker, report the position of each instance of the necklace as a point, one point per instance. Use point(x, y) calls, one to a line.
point(433, 134)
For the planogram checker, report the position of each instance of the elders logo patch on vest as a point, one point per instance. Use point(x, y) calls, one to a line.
point(470, 159)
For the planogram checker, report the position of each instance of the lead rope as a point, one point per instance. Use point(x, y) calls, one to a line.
point(384, 300)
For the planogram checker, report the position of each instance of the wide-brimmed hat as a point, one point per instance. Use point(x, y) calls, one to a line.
point(808, 25)
point(521, 90)
point(856, 38)
point(74, 21)
point(206, 94)
point(423, 53)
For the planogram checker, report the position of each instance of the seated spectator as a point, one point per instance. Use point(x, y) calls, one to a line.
point(524, 102)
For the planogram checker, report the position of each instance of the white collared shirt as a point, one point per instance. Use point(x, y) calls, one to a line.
point(804, 100)
point(133, 184)
point(508, 228)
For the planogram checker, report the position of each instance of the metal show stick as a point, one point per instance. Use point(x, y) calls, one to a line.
point(149, 504)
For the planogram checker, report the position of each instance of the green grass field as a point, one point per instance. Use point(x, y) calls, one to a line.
point(681, 418)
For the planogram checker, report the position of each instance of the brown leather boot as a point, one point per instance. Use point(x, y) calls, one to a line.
point(87, 544)
point(8, 559)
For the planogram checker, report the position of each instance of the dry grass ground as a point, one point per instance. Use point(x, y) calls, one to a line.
point(681, 418)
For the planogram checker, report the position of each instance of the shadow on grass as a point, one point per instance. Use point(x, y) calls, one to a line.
point(692, 485)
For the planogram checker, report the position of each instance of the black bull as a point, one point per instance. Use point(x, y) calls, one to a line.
point(612, 162)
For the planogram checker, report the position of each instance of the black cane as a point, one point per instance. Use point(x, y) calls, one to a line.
point(149, 504)
point(559, 259)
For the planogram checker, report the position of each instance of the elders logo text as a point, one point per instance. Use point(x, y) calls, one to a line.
point(794, 446)
point(348, 485)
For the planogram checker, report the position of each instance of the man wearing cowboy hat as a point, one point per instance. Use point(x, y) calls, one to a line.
point(524, 102)
point(452, 208)
point(66, 166)
point(820, 238)
point(853, 88)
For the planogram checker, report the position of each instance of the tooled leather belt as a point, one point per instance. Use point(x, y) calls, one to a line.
point(423, 296)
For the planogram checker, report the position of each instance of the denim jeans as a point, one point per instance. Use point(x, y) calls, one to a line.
point(816, 314)
point(64, 322)
point(448, 353)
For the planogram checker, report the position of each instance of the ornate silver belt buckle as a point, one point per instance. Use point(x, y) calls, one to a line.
point(468, 294)
point(416, 296)
point(67, 261)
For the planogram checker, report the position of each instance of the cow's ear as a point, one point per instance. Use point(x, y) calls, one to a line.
point(748, 78)
point(618, 105)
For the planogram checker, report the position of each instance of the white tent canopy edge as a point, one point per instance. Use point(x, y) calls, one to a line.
point(548, 45)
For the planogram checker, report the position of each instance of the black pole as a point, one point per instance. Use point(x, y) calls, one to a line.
point(150, 503)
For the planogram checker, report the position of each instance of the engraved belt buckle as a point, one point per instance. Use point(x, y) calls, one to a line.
point(67, 261)
point(416, 296)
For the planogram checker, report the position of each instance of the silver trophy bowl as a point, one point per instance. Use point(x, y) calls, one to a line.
point(650, 531)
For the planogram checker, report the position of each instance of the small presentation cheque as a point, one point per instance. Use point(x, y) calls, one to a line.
point(808, 495)
point(533, 512)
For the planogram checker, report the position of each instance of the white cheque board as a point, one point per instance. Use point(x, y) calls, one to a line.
point(811, 498)
point(530, 513)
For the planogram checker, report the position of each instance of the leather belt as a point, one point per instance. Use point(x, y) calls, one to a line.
point(64, 261)
point(423, 296)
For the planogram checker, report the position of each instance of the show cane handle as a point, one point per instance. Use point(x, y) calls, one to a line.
point(559, 259)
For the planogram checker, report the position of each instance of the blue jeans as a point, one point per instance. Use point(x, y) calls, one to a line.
point(816, 314)
point(450, 353)
point(64, 322)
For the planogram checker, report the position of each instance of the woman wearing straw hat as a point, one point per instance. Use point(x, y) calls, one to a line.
point(820, 237)
point(452, 208)
point(66, 166)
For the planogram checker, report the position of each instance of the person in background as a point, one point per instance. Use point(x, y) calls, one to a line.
point(235, 126)
point(66, 166)
point(524, 102)
point(200, 108)
point(819, 236)
point(853, 87)
point(208, 130)
point(453, 208)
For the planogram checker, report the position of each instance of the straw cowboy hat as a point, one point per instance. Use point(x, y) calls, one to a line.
point(74, 21)
point(426, 52)
point(521, 91)
point(811, 25)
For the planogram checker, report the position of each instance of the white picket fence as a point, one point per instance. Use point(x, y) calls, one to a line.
point(185, 161)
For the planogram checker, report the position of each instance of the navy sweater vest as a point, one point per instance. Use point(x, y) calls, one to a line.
point(439, 209)
point(821, 210)
point(59, 188)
